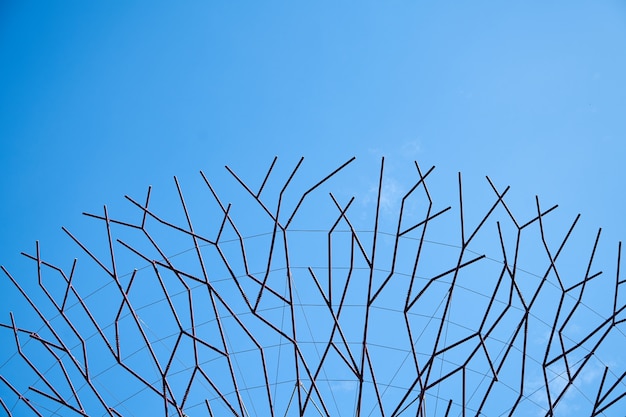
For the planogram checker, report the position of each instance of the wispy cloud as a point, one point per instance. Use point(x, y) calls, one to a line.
point(407, 150)
point(390, 196)
point(575, 397)
point(344, 386)
point(411, 149)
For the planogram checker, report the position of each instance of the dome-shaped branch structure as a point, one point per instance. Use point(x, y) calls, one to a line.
point(284, 296)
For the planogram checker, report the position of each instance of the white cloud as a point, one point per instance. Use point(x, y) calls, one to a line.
point(344, 386)
point(576, 396)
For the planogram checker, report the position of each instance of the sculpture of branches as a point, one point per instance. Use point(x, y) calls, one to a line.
point(298, 301)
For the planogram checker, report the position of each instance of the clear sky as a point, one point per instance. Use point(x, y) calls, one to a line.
point(102, 99)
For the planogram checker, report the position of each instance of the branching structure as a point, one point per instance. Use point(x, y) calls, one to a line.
point(297, 303)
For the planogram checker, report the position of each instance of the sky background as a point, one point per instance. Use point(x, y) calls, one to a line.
point(103, 99)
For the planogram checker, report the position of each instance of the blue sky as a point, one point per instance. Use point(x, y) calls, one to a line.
point(102, 99)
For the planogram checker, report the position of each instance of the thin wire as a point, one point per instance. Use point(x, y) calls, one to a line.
point(93, 293)
point(332, 394)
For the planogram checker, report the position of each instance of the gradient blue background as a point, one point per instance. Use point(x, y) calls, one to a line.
point(102, 99)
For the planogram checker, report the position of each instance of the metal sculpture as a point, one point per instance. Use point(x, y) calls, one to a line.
point(288, 305)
